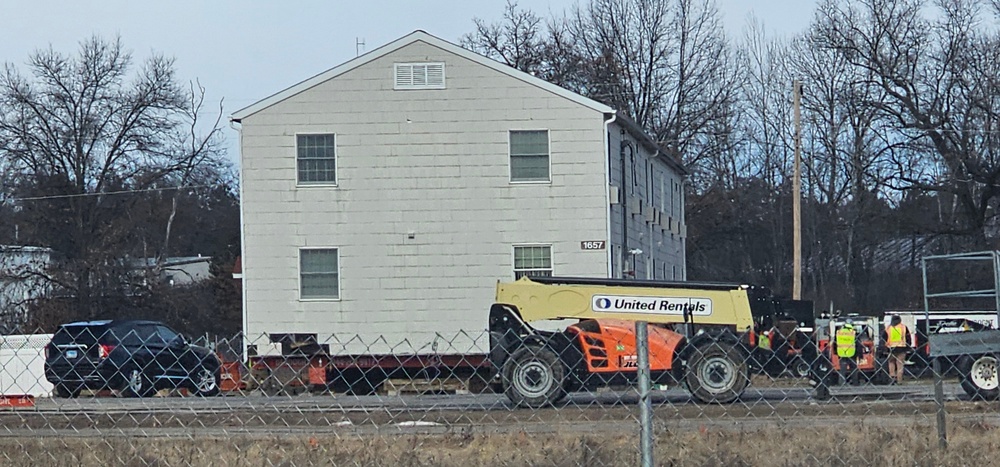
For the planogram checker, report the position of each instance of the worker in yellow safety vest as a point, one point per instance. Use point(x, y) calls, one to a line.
point(897, 339)
point(764, 341)
point(845, 344)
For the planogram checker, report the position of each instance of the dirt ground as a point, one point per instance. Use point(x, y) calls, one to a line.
point(971, 443)
point(593, 417)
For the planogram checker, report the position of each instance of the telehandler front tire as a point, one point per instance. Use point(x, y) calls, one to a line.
point(716, 373)
point(533, 376)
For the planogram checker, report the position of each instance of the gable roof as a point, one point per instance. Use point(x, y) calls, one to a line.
point(416, 36)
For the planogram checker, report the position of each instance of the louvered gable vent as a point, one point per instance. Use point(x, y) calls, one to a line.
point(419, 75)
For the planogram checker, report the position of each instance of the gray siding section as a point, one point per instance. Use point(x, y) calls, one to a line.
point(653, 198)
point(431, 165)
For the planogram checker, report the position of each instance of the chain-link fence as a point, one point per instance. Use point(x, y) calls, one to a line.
point(135, 393)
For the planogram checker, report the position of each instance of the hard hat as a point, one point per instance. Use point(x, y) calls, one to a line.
point(848, 325)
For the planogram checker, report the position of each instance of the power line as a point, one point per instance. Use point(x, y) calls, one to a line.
point(103, 193)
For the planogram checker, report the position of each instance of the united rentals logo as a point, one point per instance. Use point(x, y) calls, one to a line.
point(652, 305)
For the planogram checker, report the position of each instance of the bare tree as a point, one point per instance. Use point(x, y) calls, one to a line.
point(764, 98)
point(664, 63)
point(762, 164)
point(848, 166)
point(84, 134)
point(517, 40)
point(22, 272)
point(939, 77)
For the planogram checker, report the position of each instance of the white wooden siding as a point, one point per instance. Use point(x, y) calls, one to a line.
point(431, 162)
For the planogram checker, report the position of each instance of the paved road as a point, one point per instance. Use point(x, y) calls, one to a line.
point(921, 391)
point(470, 402)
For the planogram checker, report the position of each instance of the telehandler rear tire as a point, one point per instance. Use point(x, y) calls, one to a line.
point(716, 373)
point(534, 377)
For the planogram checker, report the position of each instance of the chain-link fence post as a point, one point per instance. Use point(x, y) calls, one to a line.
point(645, 404)
point(939, 399)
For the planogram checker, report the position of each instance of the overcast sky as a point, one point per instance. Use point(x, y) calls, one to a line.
point(247, 50)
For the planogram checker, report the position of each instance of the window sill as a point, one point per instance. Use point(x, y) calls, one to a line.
point(319, 299)
point(418, 88)
point(531, 182)
point(317, 185)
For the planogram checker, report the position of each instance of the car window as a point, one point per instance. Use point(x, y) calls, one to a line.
point(138, 335)
point(80, 334)
point(166, 334)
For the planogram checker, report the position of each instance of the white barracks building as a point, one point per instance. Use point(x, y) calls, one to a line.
point(383, 199)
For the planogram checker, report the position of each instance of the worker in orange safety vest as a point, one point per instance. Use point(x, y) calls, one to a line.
point(897, 339)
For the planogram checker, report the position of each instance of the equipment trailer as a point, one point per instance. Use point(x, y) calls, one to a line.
point(701, 334)
point(312, 367)
point(974, 350)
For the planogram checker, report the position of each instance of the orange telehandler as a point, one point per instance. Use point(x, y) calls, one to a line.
point(700, 334)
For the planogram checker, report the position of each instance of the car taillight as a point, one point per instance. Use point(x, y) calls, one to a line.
point(106, 350)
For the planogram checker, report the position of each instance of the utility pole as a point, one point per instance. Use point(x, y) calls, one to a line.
point(359, 45)
point(796, 195)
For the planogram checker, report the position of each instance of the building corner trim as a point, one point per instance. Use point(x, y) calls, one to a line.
point(607, 189)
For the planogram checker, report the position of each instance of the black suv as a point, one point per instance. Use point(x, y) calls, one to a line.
point(134, 357)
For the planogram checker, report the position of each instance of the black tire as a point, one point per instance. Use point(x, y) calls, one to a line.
point(822, 392)
point(823, 376)
point(66, 392)
point(534, 377)
point(271, 387)
point(716, 373)
point(137, 384)
point(205, 381)
point(799, 367)
point(979, 378)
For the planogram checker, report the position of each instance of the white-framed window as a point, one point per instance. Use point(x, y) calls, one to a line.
point(663, 193)
point(319, 274)
point(678, 199)
point(529, 156)
point(620, 261)
point(316, 159)
point(649, 182)
point(532, 261)
point(429, 75)
point(635, 178)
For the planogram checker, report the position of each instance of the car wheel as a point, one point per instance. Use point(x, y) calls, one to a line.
point(205, 382)
point(138, 384)
point(61, 390)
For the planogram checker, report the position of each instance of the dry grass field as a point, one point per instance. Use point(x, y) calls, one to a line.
point(972, 442)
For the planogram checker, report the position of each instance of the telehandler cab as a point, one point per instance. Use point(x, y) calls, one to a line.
point(700, 334)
